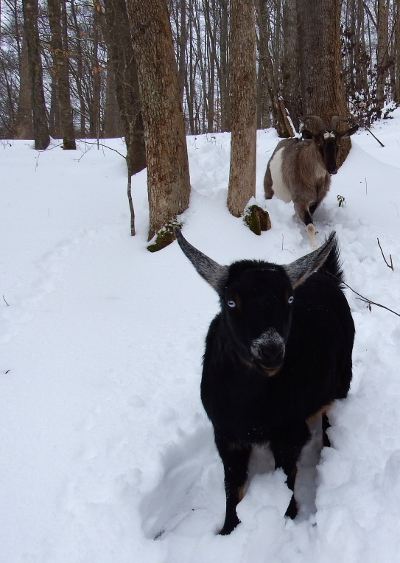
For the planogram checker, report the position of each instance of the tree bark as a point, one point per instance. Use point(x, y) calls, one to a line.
point(396, 88)
point(382, 52)
point(167, 161)
point(112, 122)
point(223, 74)
point(79, 72)
point(290, 64)
point(40, 124)
point(61, 75)
point(119, 42)
point(242, 175)
point(270, 80)
point(94, 108)
point(320, 62)
point(24, 126)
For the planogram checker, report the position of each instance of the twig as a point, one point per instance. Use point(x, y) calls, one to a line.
point(101, 145)
point(131, 208)
point(362, 298)
point(376, 138)
point(366, 187)
point(4, 299)
point(37, 160)
point(390, 256)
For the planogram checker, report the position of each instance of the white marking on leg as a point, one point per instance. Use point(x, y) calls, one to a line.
point(311, 233)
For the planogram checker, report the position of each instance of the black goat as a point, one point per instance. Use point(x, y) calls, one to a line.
point(277, 355)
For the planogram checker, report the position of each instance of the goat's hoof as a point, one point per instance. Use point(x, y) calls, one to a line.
point(228, 527)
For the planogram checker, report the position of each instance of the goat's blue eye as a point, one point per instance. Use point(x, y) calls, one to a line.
point(231, 304)
point(291, 299)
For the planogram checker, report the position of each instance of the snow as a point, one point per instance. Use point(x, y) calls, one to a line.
point(106, 454)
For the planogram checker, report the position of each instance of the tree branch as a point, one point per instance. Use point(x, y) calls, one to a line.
point(390, 256)
point(365, 299)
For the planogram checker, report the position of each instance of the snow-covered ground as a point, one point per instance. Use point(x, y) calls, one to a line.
point(106, 455)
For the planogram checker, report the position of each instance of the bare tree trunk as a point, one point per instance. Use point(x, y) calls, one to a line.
point(189, 79)
point(396, 90)
point(223, 74)
point(269, 78)
point(94, 110)
point(118, 38)
point(242, 175)
point(382, 55)
point(167, 161)
point(79, 75)
point(320, 56)
point(290, 64)
point(112, 124)
point(54, 113)
point(24, 126)
point(182, 46)
point(40, 124)
point(61, 75)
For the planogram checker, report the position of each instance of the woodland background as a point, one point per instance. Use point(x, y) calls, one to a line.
point(154, 72)
point(369, 47)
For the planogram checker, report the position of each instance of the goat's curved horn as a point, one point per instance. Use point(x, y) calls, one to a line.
point(320, 124)
point(299, 270)
point(335, 120)
point(211, 271)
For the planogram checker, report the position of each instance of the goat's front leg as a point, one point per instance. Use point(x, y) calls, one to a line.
point(235, 458)
point(286, 445)
point(305, 215)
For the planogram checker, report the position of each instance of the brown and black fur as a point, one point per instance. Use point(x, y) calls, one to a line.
point(305, 169)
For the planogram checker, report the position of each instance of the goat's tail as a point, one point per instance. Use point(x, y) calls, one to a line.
point(333, 265)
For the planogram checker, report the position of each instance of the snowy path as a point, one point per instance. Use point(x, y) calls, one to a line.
point(104, 444)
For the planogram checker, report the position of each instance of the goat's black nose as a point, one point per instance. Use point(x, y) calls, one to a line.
point(272, 356)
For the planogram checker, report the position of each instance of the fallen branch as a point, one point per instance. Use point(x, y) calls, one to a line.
point(390, 256)
point(4, 299)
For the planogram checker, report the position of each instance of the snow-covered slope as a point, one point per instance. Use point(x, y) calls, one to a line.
point(106, 455)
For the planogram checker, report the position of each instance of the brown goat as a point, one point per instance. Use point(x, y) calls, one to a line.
point(299, 170)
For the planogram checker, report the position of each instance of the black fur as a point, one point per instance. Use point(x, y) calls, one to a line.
point(246, 401)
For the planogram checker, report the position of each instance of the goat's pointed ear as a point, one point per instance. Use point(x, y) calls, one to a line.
point(306, 134)
point(299, 270)
point(215, 274)
point(351, 131)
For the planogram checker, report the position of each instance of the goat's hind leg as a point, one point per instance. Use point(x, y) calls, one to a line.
point(235, 458)
point(286, 445)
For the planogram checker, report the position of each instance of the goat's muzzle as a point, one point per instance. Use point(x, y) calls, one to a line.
point(270, 360)
point(268, 352)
